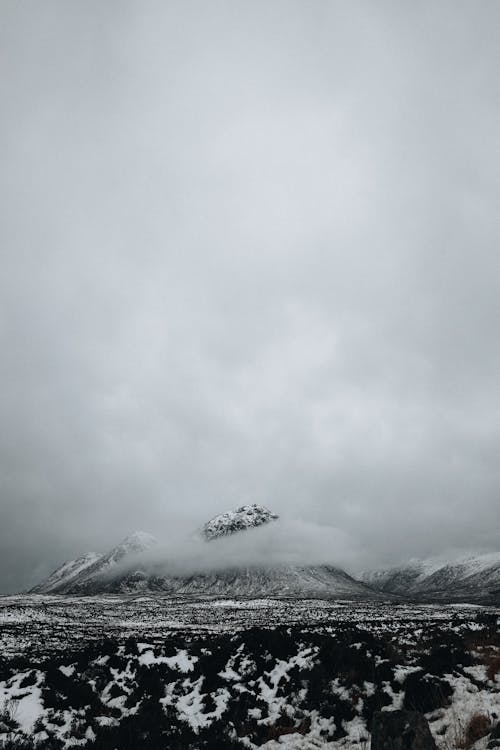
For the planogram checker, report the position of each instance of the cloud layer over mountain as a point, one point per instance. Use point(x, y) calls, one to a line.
point(274, 544)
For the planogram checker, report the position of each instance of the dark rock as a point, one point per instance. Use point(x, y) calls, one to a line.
point(424, 692)
point(401, 730)
point(494, 738)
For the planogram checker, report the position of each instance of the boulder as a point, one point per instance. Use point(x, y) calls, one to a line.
point(426, 692)
point(401, 730)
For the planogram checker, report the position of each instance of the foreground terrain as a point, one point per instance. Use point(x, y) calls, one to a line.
point(162, 672)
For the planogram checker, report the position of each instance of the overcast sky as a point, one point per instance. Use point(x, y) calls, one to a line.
point(249, 253)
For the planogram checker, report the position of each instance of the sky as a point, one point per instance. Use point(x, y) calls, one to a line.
point(249, 253)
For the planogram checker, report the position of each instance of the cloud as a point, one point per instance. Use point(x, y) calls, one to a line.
point(280, 543)
point(248, 254)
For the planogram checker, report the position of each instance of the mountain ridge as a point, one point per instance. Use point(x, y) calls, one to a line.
point(127, 569)
point(90, 565)
point(131, 566)
point(474, 578)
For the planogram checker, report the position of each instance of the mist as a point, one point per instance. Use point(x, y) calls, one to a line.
point(276, 544)
point(249, 254)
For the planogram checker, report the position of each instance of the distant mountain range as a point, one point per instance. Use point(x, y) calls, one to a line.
point(473, 579)
point(130, 567)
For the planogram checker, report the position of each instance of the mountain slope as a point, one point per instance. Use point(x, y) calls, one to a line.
point(254, 582)
point(87, 571)
point(66, 574)
point(472, 579)
point(281, 581)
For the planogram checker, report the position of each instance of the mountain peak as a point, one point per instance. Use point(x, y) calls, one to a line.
point(142, 539)
point(244, 517)
point(138, 541)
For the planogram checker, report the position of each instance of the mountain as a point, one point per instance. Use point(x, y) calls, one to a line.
point(472, 579)
point(67, 574)
point(245, 517)
point(87, 571)
point(126, 569)
point(253, 582)
point(322, 581)
point(129, 568)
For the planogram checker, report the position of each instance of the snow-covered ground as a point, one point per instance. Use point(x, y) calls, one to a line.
point(266, 673)
point(52, 622)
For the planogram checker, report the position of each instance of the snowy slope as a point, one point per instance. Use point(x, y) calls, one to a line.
point(81, 574)
point(403, 578)
point(254, 582)
point(473, 579)
point(67, 573)
point(288, 581)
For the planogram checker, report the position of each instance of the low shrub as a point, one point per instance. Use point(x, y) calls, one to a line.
point(478, 726)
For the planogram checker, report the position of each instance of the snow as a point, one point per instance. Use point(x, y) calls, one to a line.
point(468, 699)
point(265, 677)
point(23, 704)
point(67, 572)
point(75, 572)
point(401, 673)
point(190, 705)
point(280, 671)
point(245, 517)
point(471, 577)
point(181, 661)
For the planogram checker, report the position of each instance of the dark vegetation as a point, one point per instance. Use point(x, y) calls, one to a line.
point(118, 699)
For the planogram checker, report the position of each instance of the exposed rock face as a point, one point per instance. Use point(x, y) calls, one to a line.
point(245, 517)
point(401, 730)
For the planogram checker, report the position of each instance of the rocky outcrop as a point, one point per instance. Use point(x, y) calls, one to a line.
point(245, 517)
point(401, 730)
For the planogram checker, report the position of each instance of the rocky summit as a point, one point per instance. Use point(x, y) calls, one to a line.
point(245, 517)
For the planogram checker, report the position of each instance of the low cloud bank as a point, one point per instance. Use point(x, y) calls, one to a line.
point(279, 543)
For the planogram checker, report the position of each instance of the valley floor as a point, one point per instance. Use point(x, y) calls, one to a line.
point(159, 672)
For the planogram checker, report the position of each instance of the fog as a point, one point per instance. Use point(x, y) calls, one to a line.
point(279, 543)
point(249, 254)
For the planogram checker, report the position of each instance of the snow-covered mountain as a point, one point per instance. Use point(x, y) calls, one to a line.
point(67, 574)
point(89, 570)
point(126, 569)
point(288, 581)
point(245, 517)
point(471, 579)
point(129, 568)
